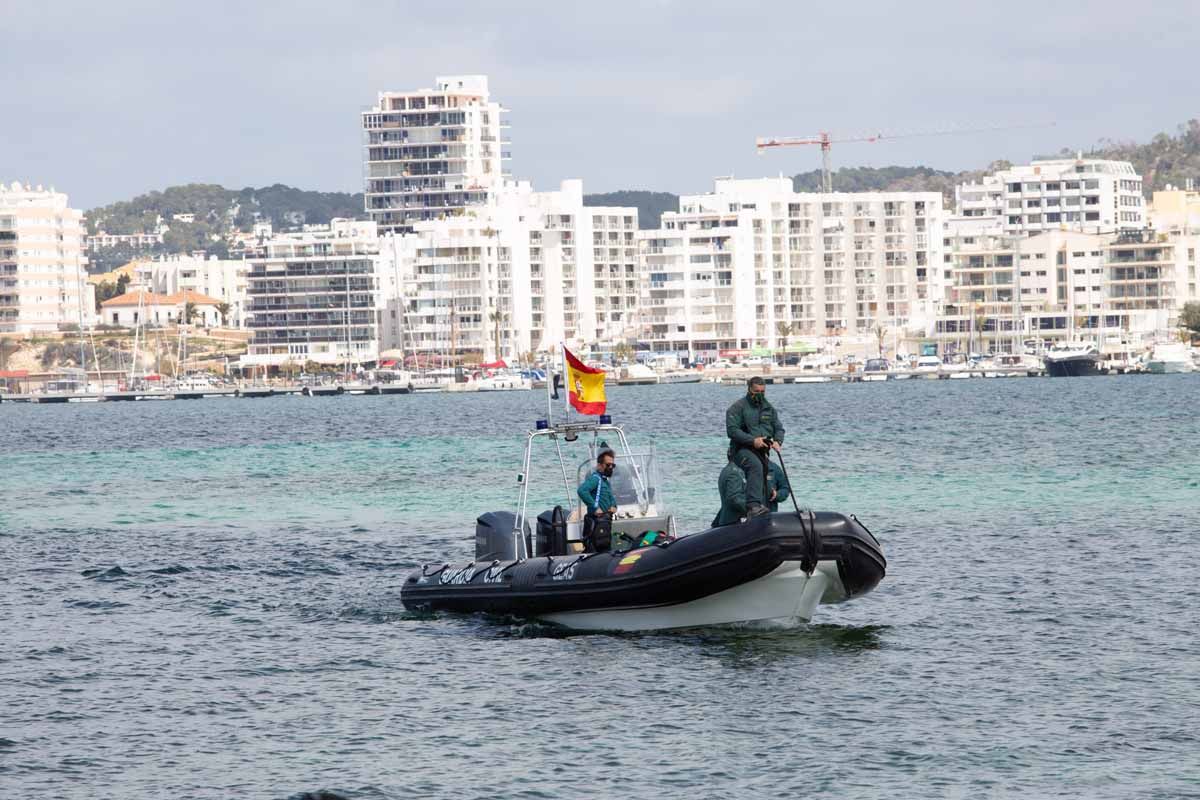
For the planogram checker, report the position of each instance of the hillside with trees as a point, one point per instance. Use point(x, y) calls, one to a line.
point(650, 205)
point(1164, 160)
point(214, 205)
point(217, 213)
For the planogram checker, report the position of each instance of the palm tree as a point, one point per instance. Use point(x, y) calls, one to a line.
point(783, 330)
point(879, 332)
point(223, 310)
point(496, 317)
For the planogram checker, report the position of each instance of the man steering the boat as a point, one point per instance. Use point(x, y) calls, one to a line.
point(754, 429)
point(595, 493)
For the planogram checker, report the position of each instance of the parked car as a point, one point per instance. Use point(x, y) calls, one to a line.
point(753, 361)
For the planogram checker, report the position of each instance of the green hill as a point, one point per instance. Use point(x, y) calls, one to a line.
point(218, 212)
point(650, 205)
point(1163, 160)
point(215, 205)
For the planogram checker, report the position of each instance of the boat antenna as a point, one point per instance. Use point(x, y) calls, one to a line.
point(550, 394)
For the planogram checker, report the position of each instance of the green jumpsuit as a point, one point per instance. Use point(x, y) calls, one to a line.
point(744, 422)
point(732, 486)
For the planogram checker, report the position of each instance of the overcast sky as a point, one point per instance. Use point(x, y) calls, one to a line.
point(106, 100)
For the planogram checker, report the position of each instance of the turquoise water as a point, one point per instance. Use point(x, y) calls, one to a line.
point(202, 600)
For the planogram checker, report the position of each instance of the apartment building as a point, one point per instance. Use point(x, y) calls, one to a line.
point(313, 296)
point(754, 263)
point(43, 285)
point(1082, 194)
point(1175, 210)
point(432, 153)
point(138, 241)
point(1149, 276)
point(1000, 288)
point(221, 279)
point(1069, 284)
point(519, 274)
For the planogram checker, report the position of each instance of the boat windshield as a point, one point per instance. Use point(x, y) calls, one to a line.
point(634, 482)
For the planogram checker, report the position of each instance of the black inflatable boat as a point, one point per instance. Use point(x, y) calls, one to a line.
point(775, 567)
point(772, 568)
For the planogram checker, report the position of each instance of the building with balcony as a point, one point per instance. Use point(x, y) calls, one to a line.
point(1081, 194)
point(43, 285)
point(1070, 285)
point(313, 296)
point(754, 263)
point(432, 153)
point(518, 274)
point(1149, 276)
point(223, 280)
point(137, 241)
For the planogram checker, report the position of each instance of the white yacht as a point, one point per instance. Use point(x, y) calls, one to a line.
point(1170, 358)
point(504, 381)
point(927, 367)
point(636, 375)
point(1011, 365)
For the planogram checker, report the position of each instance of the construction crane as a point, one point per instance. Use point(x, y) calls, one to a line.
point(826, 141)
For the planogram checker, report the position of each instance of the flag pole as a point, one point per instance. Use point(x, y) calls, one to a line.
point(550, 392)
point(566, 383)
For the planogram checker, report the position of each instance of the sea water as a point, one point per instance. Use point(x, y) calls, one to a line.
point(203, 600)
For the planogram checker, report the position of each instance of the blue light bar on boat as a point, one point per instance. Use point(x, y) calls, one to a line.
point(605, 419)
point(542, 424)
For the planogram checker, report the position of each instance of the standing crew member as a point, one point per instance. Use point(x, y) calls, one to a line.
point(754, 427)
point(596, 495)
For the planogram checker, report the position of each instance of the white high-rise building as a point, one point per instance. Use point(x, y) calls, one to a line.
point(313, 296)
point(754, 263)
point(1081, 194)
point(431, 153)
point(520, 274)
point(43, 286)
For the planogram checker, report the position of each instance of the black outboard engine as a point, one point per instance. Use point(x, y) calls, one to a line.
point(494, 536)
point(552, 532)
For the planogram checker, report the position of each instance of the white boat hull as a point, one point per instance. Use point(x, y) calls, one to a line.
point(1170, 367)
point(786, 596)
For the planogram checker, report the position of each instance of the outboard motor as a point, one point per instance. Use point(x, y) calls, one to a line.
point(494, 536)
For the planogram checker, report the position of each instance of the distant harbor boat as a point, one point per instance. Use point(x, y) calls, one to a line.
point(1072, 359)
point(1170, 358)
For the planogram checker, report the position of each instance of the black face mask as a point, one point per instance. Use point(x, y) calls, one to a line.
point(608, 470)
point(757, 398)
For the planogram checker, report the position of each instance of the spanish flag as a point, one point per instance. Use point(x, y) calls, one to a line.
point(585, 386)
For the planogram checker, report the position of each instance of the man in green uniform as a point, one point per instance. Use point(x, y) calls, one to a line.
point(595, 493)
point(732, 486)
point(753, 427)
